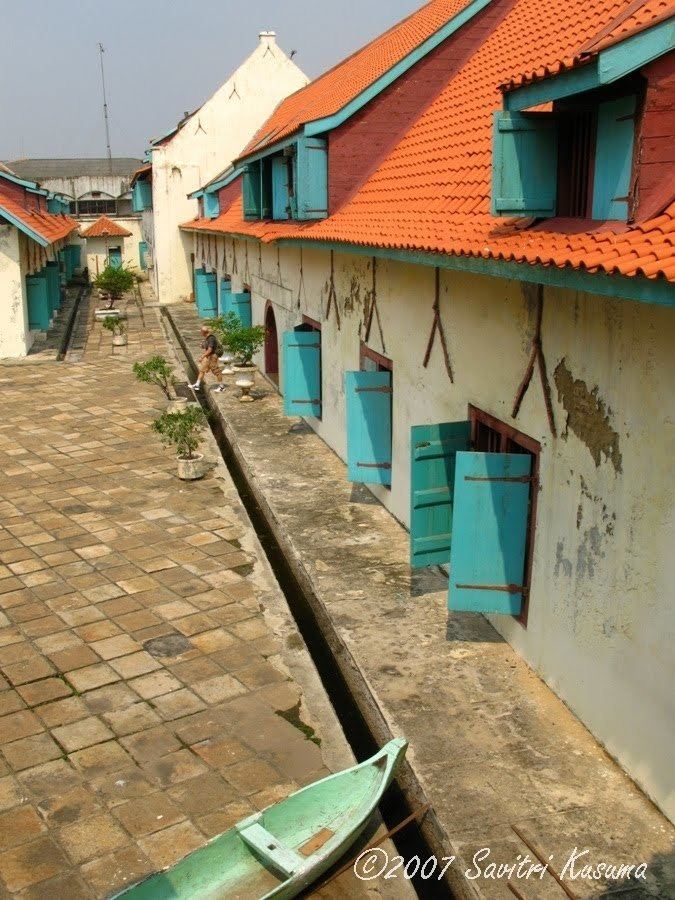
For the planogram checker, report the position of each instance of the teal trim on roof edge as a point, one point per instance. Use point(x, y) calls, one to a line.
point(17, 223)
point(384, 81)
point(645, 290)
point(217, 185)
point(607, 67)
point(32, 186)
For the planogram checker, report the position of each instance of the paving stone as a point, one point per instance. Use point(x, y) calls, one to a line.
point(41, 691)
point(30, 751)
point(166, 847)
point(49, 779)
point(139, 663)
point(10, 701)
point(155, 684)
point(62, 712)
point(219, 752)
point(177, 704)
point(151, 743)
point(195, 670)
point(112, 647)
point(27, 670)
point(215, 690)
point(100, 758)
point(217, 822)
point(118, 870)
point(19, 725)
point(92, 677)
point(31, 863)
point(63, 886)
point(203, 794)
point(82, 733)
point(148, 814)
point(250, 776)
point(92, 837)
point(74, 658)
point(174, 767)
point(109, 698)
point(68, 806)
point(19, 826)
point(11, 792)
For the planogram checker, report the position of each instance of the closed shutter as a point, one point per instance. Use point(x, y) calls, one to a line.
point(489, 532)
point(37, 296)
point(433, 449)
point(142, 254)
point(524, 164)
point(280, 193)
point(225, 298)
point(53, 285)
point(368, 426)
point(301, 363)
point(205, 293)
point(614, 158)
point(241, 305)
point(211, 205)
point(312, 178)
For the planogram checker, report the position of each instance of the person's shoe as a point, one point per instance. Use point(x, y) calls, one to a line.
point(219, 389)
point(196, 386)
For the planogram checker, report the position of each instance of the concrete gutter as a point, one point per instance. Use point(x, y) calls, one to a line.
point(491, 747)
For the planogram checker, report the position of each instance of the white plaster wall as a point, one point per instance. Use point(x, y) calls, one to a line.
point(601, 622)
point(108, 185)
point(205, 146)
point(96, 251)
point(15, 338)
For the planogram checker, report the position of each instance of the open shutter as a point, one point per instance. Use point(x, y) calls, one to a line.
point(614, 158)
point(312, 178)
point(301, 363)
point(225, 298)
point(211, 205)
point(524, 164)
point(205, 293)
point(280, 194)
point(368, 426)
point(241, 305)
point(433, 449)
point(251, 191)
point(489, 532)
point(37, 297)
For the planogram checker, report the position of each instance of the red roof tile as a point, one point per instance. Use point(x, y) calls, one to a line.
point(328, 93)
point(48, 226)
point(105, 227)
point(432, 193)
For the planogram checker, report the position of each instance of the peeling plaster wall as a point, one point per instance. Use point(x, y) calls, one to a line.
point(206, 144)
point(15, 338)
point(600, 629)
point(96, 250)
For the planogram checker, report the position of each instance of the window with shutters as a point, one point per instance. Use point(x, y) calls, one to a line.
point(490, 435)
point(302, 373)
point(574, 161)
point(369, 394)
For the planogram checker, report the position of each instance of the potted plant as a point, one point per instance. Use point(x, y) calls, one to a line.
point(112, 283)
point(118, 330)
point(183, 430)
point(157, 370)
point(244, 342)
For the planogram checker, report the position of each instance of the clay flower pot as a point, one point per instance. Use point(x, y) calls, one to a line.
point(191, 469)
point(177, 404)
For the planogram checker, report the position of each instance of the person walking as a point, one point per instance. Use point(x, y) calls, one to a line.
point(208, 361)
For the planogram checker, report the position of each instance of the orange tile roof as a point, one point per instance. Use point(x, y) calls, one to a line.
point(50, 227)
point(432, 193)
point(105, 227)
point(328, 93)
point(620, 20)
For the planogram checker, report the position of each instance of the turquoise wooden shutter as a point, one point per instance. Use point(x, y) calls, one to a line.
point(433, 449)
point(311, 183)
point(37, 296)
point(115, 257)
point(62, 267)
point(301, 362)
point(142, 251)
point(251, 191)
point(206, 293)
point(211, 205)
point(280, 194)
point(613, 158)
point(225, 299)
point(53, 205)
point(368, 427)
point(53, 285)
point(489, 532)
point(241, 305)
point(524, 164)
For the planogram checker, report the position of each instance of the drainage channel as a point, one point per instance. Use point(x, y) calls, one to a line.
point(394, 807)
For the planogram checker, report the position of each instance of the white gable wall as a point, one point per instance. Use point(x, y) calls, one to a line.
point(205, 145)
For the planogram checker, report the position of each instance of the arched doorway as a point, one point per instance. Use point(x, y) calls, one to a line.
point(271, 345)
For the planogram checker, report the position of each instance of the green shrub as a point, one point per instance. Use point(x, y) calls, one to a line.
point(115, 281)
point(183, 430)
point(156, 370)
point(242, 342)
point(114, 324)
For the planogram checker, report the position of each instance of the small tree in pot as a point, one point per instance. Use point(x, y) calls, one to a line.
point(113, 282)
point(118, 330)
point(158, 371)
point(245, 342)
point(183, 430)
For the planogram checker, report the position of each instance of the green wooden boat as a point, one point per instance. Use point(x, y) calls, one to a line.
point(283, 849)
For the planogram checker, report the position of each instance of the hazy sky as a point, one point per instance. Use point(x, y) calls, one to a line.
point(162, 57)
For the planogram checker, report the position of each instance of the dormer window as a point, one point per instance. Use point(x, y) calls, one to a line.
point(291, 183)
point(574, 161)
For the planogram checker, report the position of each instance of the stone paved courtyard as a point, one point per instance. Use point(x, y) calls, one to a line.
point(140, 684)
